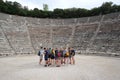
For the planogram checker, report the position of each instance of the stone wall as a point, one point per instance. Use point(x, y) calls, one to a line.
point(97, 34)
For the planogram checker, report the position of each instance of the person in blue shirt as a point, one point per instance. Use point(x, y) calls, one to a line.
point(46, 57)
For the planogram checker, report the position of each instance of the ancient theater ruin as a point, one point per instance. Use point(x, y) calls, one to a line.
point(23, 35)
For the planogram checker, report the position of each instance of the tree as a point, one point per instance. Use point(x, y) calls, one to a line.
point(45, 7)
point(16, 8)
point(23, 11)
point(35, 12)
point(57, 13)
point(115, 8)
point(81, 12)
point(95, 11)
point(1, 1)
point(1, 5)
point(106, 7)
point(73, 12)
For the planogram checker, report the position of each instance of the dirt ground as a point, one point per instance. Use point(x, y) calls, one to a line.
point(86, 68)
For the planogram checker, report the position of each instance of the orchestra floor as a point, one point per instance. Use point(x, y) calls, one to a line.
point(86, 68)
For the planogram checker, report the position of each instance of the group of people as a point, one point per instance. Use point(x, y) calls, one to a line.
point(57, 56)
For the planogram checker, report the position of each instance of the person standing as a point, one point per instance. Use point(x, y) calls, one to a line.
point(72, 54)
point(64, 55)
point(46, 57)
point(49, 56)
point(41, 53)
point(56, 56)
point(52, 56)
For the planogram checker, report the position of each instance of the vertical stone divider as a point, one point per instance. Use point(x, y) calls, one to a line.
point(37, 40)
point(80, 25)
point(3, 32)
point(70, 41)
point(88, 20)
point(95, 34)
point(27, 25)
point(63, 22)
point(51, 33)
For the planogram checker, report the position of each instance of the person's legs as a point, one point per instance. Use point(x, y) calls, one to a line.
point(73, 59)
point(52, 59)
point(39, 61)
point(46, 62)
point(51, 62)
point(61, 60)
point(58, 62)
point(49, 59)
point(67, 60)
point(70, 59)
point(41, 57)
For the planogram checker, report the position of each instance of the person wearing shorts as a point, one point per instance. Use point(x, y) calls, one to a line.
point(46, 57)
point(72, 53)
point(56, 55)
point(49, 56)
point(41, 55)
point(58, 58)
point(52, 56)
point(64, 55)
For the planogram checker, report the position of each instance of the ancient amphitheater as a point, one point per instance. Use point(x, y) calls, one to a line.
point(98, 35)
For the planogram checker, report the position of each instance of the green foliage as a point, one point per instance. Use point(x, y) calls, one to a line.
point(106, 7)
point(45, 7)
point(1, 5)
point(95, 11)
point(16, 8)
point(58, 13)
point(115, 8)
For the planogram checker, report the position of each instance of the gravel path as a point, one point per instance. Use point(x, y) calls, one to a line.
point(86, 68)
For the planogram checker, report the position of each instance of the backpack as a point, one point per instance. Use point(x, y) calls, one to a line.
point(73, 52)
point(67, 54)
point(59, 54)
point(39, 53)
